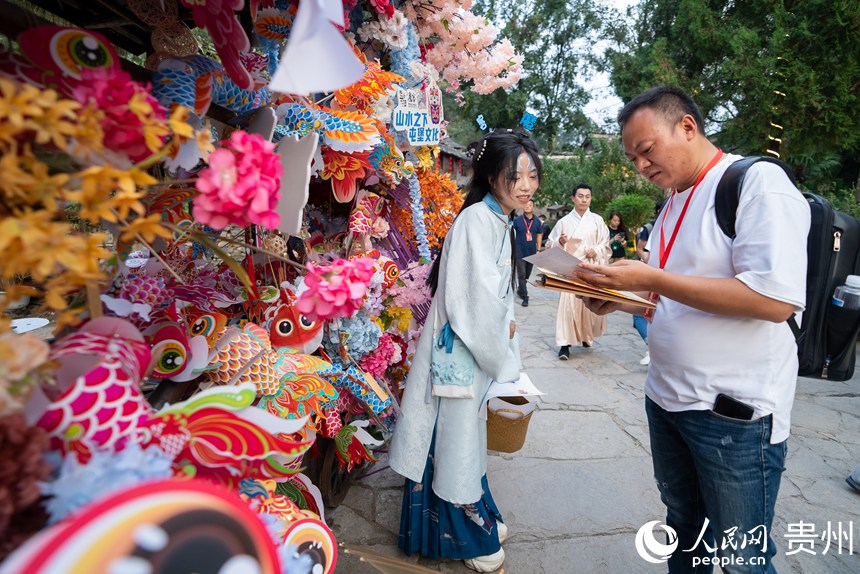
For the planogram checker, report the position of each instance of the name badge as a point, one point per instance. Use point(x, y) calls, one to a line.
point(528, 236)
point(649, 313)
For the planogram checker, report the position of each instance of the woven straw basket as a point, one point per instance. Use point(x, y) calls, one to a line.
point(505, 434)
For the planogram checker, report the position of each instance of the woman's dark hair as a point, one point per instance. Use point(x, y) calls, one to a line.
point(621, 227)
point(494, 157)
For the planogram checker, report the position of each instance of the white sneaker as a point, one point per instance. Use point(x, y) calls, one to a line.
point(503, 531)
point(489, 563)
point(646, 360)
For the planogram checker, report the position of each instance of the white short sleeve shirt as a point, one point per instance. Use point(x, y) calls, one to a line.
point(696, 355)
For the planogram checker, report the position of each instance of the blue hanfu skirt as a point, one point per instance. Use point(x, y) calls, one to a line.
point(438, 529)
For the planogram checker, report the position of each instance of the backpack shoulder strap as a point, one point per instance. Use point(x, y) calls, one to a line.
point(728, 194)
point(727, 198)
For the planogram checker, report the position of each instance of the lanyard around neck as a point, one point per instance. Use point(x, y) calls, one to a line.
point(664, 249)
point(529, 224)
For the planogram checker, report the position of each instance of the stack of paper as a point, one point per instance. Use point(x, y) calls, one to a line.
point(556, 268)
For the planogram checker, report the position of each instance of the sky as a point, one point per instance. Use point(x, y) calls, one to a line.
point(604, 103)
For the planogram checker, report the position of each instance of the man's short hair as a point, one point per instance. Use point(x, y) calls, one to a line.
point(541, 216)
point(671, 103)
point(579, 186)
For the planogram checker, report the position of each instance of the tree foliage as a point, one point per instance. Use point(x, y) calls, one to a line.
point(606, 170)
point(555, 39)
point(784, 69)
point(635, 209)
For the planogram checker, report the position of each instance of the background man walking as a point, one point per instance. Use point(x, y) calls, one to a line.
point(585, 235)
point(528, 232)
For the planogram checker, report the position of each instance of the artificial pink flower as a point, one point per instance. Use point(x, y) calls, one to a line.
point(241, 184)
point(335, 290)
point(134, 123)
point(383, 7)
point(376, 362)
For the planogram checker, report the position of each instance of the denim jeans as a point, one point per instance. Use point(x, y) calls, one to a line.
point(708, 465)
point(640, 323)
point(524, 269)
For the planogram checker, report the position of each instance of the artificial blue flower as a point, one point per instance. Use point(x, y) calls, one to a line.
point(106, 472)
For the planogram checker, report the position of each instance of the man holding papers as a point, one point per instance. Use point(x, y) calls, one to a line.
point(585, 235)
point(723, 361)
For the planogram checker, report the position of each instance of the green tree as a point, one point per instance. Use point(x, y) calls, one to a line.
point(759, 69)
point(555, 38)
point(606, 170)
point(635, 209)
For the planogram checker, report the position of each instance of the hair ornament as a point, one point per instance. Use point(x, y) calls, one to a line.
point(483, 147)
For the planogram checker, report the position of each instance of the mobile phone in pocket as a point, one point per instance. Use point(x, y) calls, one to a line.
point(733, 408)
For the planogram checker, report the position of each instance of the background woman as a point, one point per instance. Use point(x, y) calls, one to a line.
point(440, 443)
point(618, 234)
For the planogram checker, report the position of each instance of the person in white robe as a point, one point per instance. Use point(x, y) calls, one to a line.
point(585, 235)
point(440, 440)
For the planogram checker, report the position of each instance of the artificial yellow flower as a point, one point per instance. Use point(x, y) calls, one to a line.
point(400, 316)
point(56, 123)
point(9, 134)
point(89, 138)
point(148, 228)
point(15, 181)
point(19, 102)
point(178, 122)
point(42, 187)
point(426, 156)
point(124, 202)
point(97, 185)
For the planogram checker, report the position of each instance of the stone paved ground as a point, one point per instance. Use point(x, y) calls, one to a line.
point(581, 487)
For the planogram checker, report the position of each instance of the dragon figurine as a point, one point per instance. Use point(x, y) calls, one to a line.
point(197, 81)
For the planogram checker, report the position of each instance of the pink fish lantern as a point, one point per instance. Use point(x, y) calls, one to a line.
point(160, 527)
point(100, 404)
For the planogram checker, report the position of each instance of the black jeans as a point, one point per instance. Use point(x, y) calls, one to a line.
point(524, 269)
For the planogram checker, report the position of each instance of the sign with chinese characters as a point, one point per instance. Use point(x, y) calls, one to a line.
point(528, 121)
point(419, 114)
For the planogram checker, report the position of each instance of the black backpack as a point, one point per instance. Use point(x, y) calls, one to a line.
point(827, 335)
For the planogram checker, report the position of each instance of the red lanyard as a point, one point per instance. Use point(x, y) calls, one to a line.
point(664, 250)
point(529, 224)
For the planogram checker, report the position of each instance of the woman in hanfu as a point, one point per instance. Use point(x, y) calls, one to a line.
point(440, 441)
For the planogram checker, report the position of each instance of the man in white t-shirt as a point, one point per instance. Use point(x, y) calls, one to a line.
point(723, 361)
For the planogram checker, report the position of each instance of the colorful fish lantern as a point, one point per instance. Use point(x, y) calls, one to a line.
point(289, 328)
point(159, 527)
point(54, 56)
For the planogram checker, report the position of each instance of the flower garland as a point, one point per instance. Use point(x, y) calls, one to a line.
point(391, 31)
point(464, 51)
point(442, 201)
point(418, 218)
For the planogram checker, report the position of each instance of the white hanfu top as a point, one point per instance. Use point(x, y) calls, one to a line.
point(474, 293)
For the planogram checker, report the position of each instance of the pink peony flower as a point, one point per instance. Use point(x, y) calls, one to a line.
point(335, 290)
point(134, 122)
point(376, 362)
point(241, 184)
